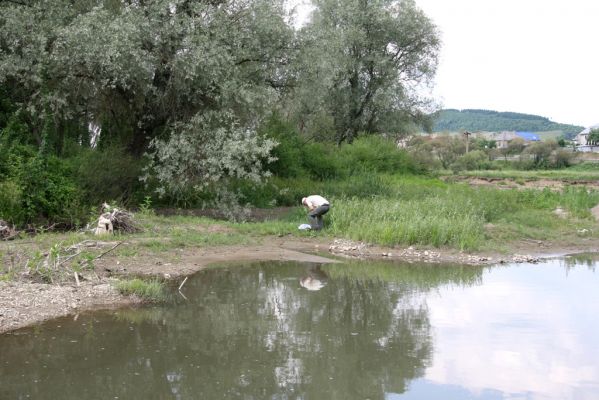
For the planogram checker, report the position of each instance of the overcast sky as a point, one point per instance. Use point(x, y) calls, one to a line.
point(530, 56)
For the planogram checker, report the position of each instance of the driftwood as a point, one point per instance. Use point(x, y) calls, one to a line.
point(7, 232)
point(114, 219)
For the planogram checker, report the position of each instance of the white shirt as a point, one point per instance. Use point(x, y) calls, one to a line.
point(315, 201)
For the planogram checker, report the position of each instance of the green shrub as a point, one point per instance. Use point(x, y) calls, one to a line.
point(11, 209)
point(108, 175)
point(288, 152)
point(376, 154)
point(49, 194)
point(321, 161)
point(562, 158)
point(476, 159)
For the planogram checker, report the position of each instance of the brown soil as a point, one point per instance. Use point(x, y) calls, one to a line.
point(24, 303)
point(507, 183)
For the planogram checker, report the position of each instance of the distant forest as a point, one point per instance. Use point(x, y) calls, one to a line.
point(487, 120)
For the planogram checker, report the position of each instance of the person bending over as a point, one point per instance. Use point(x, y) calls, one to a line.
point(317, 207)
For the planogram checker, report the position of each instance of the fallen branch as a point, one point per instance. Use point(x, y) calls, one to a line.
point(114, 219)
point(182, 283)
point(6, 231)
point(107, 251)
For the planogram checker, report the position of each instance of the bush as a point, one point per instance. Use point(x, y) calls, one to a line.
point(49, 194)
point(11, 209)
point(476, 159)
point(321, 162)
point(108, 175)
point(562, 158)
point(298, 157)
point(541, 153)
point(37, 189)
point(376, 154)
point(288, 152)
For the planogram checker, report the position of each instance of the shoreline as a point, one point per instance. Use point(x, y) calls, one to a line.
point(24, 304)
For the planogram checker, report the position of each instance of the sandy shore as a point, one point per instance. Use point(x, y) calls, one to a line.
point(24, 303)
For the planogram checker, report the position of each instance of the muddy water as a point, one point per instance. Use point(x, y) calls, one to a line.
point(351, 331)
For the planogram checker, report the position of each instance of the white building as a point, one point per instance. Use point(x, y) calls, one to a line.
point(582, 140)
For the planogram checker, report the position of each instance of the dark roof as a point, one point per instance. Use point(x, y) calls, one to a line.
point(528, 136)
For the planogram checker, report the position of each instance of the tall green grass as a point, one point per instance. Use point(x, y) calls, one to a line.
point(429, 221)
point(427, 212)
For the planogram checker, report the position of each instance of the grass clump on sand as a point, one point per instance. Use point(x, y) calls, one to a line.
point(152, 290)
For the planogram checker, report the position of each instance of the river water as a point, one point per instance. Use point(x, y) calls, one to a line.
point(359, 330)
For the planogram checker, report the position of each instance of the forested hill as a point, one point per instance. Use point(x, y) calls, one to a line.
point(487, 120)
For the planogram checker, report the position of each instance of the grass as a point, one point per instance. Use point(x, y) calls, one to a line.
point(430, 221)
point(427, 211)
point(386, 210)
point(152, 290)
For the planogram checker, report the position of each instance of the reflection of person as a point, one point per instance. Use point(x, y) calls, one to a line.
point(315, 280)
point(317, 207)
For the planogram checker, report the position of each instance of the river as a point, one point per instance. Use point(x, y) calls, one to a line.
point(357, 330)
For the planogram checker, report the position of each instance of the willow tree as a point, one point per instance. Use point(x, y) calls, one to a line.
point(149, 74)
point(367, 60)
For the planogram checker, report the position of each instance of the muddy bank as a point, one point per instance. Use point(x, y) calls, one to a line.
point(23, 303)
point(522, 183)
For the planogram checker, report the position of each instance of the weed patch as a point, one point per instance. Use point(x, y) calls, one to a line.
point(152, 290)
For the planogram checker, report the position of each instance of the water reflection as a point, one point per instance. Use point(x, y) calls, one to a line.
point(587, 259)
point(315, 279)
point(370, 331)
point(527, 332)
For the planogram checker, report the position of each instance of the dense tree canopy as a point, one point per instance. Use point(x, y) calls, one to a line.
point(185, 87)
point(139, 70)
point(364, 60)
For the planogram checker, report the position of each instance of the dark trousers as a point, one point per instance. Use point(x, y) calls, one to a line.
point(315, 217)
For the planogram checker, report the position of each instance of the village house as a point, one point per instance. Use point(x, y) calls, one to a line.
point(582, 140)
point(503, 138)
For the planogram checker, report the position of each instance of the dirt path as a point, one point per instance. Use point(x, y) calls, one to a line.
point(23, 303)
point(509, 183)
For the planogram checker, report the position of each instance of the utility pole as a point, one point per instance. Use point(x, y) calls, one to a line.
point(467, 134)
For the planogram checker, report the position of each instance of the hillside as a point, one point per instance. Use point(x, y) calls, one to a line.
point(487, 120)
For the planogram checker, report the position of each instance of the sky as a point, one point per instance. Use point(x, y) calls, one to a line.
point(529, 56)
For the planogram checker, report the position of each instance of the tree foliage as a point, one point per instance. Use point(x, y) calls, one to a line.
point(593, 138)
point(180, 90)
point(138, 71)
point(362, 62)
